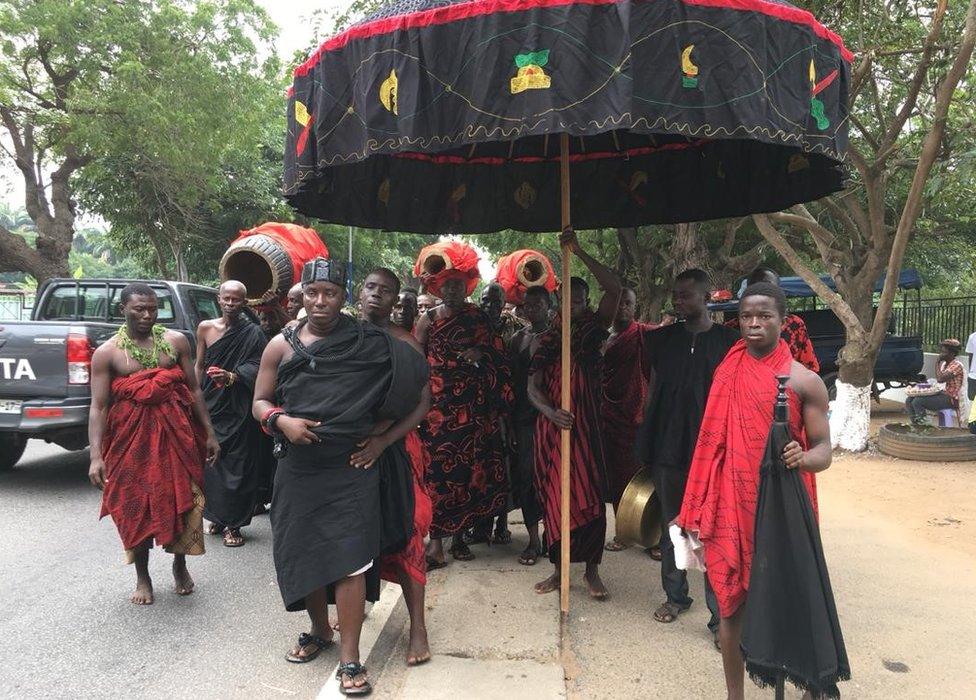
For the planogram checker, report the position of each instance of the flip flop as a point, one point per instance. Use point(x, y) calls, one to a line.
point(529, 556)
point(503, 537)
point(353, 669)
point(654, 553)
point(460, 552)
point(614, 546)
point(305, 639)
point(434, 565)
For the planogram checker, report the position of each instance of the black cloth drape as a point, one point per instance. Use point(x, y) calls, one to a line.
point(791, 628)
point(231, 486)
point(327, 516)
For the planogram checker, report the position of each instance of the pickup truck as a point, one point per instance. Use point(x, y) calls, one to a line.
point(900, 358)
point(45, 363)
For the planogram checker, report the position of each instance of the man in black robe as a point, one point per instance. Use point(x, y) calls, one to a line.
point(228, 355)
point(682, 358)
point(323, 386)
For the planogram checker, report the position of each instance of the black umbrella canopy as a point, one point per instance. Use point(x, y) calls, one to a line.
point(443, 117)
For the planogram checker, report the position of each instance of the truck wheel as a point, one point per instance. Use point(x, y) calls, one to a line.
point(927, 443)
point(12, 447)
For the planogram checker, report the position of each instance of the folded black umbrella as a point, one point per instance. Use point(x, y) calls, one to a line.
point(791, 629)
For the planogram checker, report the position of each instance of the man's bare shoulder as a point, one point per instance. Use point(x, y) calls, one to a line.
point(106, 350)
point(808, 384)
point(176, 339)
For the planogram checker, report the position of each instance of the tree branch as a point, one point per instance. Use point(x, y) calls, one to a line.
point(929, 152)
point(918, 79)
point(16, 255)
point(832, 298)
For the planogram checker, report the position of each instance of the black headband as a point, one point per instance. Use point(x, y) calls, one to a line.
point(322, 270)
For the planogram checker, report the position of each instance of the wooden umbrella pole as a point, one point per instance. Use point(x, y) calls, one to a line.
point(565, 399)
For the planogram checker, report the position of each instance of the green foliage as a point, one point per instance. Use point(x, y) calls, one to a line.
point(166, 104)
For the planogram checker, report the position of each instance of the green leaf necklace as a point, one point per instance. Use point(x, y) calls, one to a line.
point(149, 359)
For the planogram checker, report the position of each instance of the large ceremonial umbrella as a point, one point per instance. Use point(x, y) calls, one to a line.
point(791, 631)
point(446, 116)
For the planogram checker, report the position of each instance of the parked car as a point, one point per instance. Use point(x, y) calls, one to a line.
point(45, 363)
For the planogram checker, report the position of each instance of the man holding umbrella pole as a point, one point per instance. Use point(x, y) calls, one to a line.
point(719, 506)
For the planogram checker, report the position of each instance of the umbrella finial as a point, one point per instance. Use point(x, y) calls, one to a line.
point(781, 412)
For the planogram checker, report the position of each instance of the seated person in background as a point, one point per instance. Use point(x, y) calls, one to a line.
point(948, 370)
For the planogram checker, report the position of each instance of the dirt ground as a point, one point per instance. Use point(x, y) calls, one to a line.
point(900, 541)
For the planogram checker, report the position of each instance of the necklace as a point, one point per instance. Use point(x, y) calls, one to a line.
point(149, 359)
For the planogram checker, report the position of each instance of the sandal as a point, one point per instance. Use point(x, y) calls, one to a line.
point(668, 612)
point(529, 556)
point(305, 639)
point(477, 535)
point(215, 529)
point(233, 538)
point(614, 546)
point(461, 552)
point(654, 553)
point(502, 537)
point(434, 564)
point(351, 669)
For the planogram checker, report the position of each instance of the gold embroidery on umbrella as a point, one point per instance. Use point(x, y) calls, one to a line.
point(530, 75)
point(817, 105)
point(688, 68)
point(388, 92)
point(525, 195)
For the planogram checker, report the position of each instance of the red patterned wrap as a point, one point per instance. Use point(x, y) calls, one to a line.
point(153, 449)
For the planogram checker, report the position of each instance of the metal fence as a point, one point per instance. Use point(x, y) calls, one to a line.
point(15, 305)
point(936, 319)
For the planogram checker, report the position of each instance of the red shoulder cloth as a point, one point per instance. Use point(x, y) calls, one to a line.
point(723, 483)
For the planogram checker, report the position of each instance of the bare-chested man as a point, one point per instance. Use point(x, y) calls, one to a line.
point(228, 357)
point(150, 436)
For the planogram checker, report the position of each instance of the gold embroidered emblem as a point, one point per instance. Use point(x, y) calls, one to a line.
point(530, 75)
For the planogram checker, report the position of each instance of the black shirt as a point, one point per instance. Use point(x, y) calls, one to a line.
point(683, 364)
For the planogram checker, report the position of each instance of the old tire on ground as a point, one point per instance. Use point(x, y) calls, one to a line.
point(12, 448)
point(926, 443)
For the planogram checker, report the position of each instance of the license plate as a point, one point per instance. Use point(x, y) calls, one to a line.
point(7, 406)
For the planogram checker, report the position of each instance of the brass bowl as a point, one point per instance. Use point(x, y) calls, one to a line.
point(639, 513)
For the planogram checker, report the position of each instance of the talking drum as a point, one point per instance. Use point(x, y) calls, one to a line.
point(433, 261)
point(523, 269)
point(269, 257)
point(639, 513)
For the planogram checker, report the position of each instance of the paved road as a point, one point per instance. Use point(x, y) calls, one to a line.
point(68, 630)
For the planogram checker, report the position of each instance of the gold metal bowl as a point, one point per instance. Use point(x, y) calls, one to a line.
point(639, 513)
